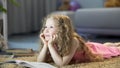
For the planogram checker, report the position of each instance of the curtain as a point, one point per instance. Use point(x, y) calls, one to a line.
point(28, 15)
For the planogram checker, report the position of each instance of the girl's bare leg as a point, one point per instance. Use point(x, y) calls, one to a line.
point(109, 44)
point(117, 44)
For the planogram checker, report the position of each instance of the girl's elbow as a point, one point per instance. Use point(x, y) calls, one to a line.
point(40, 60)
point(61, 64)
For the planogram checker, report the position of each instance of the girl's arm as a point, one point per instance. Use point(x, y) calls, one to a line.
point(59, 60)
point(42, 54)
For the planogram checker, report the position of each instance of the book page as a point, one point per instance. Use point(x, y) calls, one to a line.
point(34, 64)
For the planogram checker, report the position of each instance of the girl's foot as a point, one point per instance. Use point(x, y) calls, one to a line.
point(117, 44)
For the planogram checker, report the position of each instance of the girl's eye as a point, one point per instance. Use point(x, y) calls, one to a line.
point(51, 26)
point(48, 27)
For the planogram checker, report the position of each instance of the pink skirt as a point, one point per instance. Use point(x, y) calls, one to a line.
point(105, 51)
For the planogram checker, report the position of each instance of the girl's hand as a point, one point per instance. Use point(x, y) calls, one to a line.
point(43, 39)
point(52, 40)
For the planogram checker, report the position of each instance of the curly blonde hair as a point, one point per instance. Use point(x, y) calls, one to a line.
point(66, 33)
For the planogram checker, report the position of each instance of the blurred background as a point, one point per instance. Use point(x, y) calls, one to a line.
point(24, 21)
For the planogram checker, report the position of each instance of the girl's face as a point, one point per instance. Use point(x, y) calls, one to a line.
point(50, 29)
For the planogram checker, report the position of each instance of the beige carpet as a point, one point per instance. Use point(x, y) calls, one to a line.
point(108, 63)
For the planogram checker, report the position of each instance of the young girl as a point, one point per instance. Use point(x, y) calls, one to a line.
point(63, 45)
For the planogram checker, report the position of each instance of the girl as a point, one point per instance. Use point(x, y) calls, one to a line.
point(63, 45)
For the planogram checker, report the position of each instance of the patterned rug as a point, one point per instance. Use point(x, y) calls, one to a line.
point(108, 63)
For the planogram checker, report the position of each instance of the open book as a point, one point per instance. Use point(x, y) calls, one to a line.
point(31, 64)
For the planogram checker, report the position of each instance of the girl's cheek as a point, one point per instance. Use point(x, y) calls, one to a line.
point(53, 34)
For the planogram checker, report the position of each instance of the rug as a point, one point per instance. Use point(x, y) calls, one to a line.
point(108, 63)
